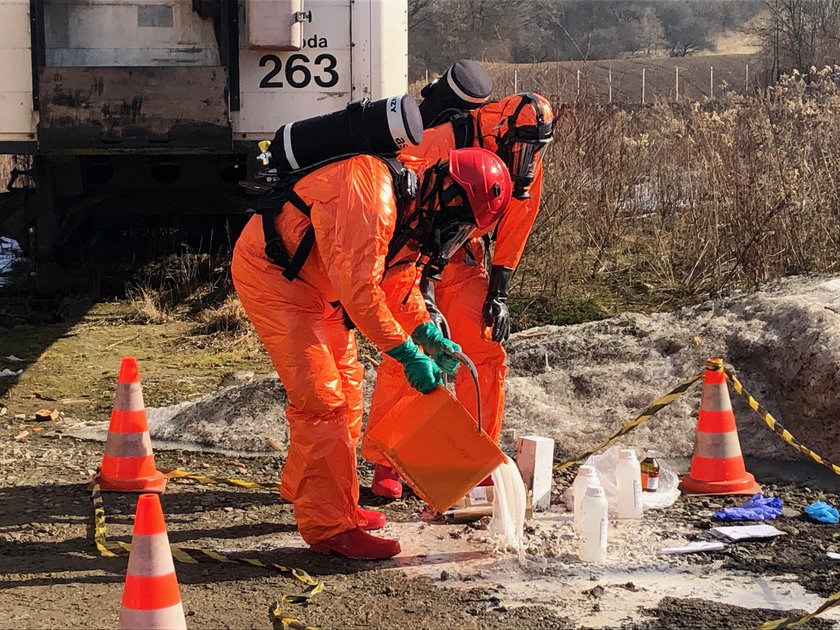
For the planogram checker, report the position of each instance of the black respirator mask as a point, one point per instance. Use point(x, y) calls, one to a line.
point(445, 222)
point(520, 146)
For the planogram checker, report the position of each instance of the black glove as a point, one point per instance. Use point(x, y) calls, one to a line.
point(427, 288)
point(495, 310)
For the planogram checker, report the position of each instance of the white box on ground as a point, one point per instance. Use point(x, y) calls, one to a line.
point(535, 460)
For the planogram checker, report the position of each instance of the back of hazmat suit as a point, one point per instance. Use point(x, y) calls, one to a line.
point(469, 296)
point(349, 275)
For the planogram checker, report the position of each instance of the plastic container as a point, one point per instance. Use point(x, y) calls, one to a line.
point(435, 445)
point(628, 481)
point(592, 542)
point(650, 472)
point(586, 476)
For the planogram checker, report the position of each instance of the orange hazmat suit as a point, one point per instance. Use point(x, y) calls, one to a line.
point(301, 322)
point(461, 293)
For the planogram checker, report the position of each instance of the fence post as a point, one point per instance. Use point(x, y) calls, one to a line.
point(643, 85)
point(577, 94)
point(711, 81)
point(677, 83)
point(427, 77)
point(610, 84)
point(515, 81)
point(746, 78)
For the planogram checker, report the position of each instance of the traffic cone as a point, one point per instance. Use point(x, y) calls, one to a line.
point(151, 598)
point(128, 464)
point(717, 466)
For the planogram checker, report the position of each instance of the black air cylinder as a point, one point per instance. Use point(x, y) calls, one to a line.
point(383, 126)
point(465, 85)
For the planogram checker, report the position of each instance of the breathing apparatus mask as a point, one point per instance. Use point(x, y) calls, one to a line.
point(445, 220)
point(526, 127)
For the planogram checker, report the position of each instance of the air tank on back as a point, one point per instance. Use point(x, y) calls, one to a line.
point(382, 127)
point(465, 85)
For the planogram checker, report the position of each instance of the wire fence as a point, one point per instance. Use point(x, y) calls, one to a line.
point(632, 81)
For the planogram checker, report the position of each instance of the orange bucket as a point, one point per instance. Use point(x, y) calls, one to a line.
point(435, 445)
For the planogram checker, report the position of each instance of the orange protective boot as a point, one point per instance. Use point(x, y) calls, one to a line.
point(386, 482)
point(375, 520)
point(359, 545)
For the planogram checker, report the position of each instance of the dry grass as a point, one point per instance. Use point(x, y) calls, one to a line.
point(665, 205)
point(181, 285)
point(228, 318)
point(147, 307)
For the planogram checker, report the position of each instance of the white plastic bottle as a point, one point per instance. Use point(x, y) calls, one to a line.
point(592, 542)
point(586, 476)
point(628, 482)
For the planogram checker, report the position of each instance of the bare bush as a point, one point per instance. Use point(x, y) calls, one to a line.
point(664, 205)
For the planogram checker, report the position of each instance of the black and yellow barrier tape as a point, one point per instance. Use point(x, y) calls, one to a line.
point(239, 483)
point(777, 426)
point(657, 405)
point(282, 622)
point(793, 622)
point(113, 548)
point(779, 429)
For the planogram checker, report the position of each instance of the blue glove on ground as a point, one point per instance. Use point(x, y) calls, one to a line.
point(756, 508)
point(822, 512)
point(421, 372)
point(439, 347)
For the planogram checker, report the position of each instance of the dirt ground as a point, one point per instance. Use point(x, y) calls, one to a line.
point(51, 575)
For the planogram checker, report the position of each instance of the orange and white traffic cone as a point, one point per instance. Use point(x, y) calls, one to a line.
point(717, 466)
point(151, 598)
point(128, 464)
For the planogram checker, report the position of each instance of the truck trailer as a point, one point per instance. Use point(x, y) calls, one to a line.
point(133, 112)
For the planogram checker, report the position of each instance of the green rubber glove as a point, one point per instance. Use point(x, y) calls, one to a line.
point(421, 372)
point(439, 347)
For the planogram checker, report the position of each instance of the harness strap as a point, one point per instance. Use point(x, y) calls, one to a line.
point(462, 129)
point(274, 247)
point(283, 192)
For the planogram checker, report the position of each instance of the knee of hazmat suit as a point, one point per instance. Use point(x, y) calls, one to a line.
point(362, 258)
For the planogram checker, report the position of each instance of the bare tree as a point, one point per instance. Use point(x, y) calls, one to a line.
point(651, 31)
point(801, 33)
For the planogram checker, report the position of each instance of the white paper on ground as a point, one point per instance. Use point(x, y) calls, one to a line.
point(12, 357)
point(832, 555)
point(694, 547)
point(746, 532)
point(10, 373)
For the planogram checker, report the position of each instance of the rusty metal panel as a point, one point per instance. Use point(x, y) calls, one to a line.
point(134, 108)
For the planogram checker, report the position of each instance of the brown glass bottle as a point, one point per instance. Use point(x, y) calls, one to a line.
point(650, 472)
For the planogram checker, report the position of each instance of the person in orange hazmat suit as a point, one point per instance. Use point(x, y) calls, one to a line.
point(466, 297)
point(361, 267)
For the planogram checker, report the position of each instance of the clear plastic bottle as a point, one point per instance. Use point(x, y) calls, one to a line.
point(592, 542)
point(586, 476)
point(650, 472)
point(628, 482)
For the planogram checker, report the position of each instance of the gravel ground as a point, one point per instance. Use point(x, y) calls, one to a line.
point(50, 575)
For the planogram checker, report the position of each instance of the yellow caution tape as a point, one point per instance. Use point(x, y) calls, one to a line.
point(657, 405)
point(111, 548)
point(239, 483)
point(793, 622)
point(775, 425)
point(779, 429)
point(282, 622)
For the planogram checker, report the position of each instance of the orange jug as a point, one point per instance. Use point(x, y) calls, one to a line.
point(436, 446)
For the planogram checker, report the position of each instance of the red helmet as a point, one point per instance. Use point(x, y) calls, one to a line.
point(486, 180)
